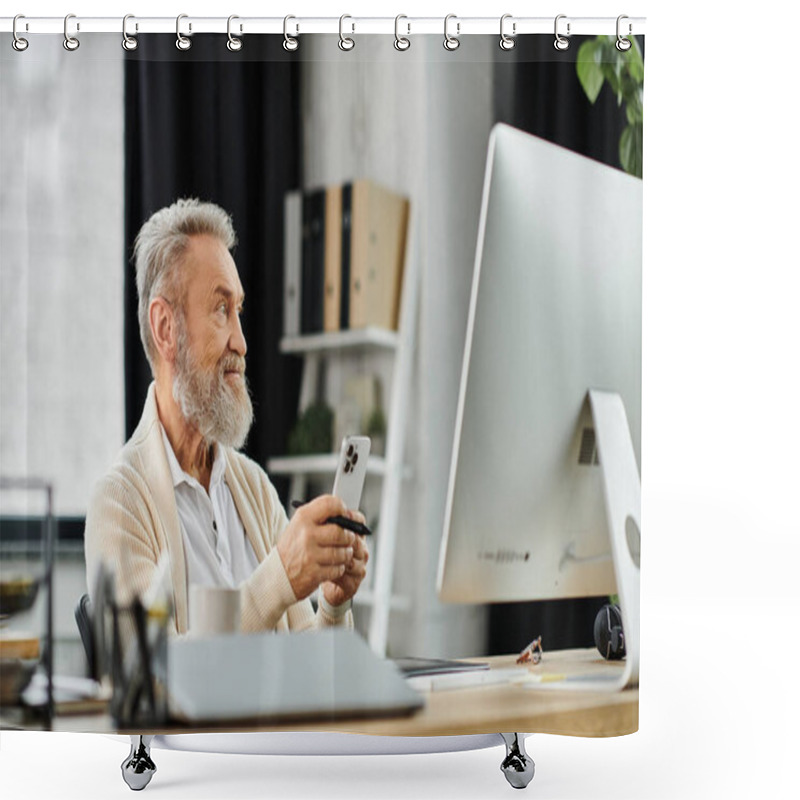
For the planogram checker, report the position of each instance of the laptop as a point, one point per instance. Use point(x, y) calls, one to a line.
point(267, 677)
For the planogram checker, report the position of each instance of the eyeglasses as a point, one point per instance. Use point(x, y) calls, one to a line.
point(532, 654)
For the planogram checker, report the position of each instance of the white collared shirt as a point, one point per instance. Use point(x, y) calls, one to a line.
point(218, 552)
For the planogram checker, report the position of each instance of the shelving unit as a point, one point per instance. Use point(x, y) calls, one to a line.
point(319, 465)
point(341, 340)
point(390, 469)
point(44, 580)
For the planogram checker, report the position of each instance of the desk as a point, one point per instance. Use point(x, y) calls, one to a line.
point(480, 709)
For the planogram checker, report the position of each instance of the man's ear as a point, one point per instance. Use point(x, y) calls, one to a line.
point(163, 329)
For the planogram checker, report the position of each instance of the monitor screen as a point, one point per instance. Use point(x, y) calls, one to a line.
point(555, 311)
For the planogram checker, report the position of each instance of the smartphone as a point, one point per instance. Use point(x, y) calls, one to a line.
point(351, 470)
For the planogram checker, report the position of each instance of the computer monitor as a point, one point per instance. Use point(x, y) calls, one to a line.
point(543, 498)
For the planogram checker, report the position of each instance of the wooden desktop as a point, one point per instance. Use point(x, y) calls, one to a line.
point(546, 708)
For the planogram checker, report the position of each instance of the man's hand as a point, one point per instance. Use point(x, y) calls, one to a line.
point(314, 552)
point(342, 589)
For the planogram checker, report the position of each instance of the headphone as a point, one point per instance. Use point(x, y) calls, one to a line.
point(608, 634)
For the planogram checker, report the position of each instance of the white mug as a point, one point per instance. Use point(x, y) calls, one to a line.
point(213, 610)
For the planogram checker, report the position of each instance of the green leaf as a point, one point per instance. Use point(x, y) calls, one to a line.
point(633, 107)
point(586, 50)
point(619, 70)
point(630, 150)
point(635, 62)
point(606, 51)
point(590, 73)
point(611, 74)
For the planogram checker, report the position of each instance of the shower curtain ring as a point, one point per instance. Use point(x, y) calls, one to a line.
point(345, 42)
point(623, 44)
point(561, 42)
point(289, 42)
point(507, 42)
point(233, 44)
point(18, 43)
point(451, 42)
point(128, 42)
point(182, 42)
point(70, 42)
point(401, 43)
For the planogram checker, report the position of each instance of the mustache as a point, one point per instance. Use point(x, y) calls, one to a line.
point(232, 362)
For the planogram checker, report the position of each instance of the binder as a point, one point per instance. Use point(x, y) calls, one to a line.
point(333, 259)
point(347, 227)
point(377, 251)
point(313, 267)
point(292, 260)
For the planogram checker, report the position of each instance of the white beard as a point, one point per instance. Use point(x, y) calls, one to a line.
point(221, 412)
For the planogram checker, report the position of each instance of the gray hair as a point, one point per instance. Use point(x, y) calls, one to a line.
point(159, 250)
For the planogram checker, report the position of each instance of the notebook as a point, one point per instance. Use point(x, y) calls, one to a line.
point(413, 667)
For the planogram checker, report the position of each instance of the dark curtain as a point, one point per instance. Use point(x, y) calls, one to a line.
point(537, 90)
point(222, 127)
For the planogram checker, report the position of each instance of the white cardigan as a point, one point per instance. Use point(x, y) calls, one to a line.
point(132, 519)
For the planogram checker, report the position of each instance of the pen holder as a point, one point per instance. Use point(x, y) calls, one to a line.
point(133, 642)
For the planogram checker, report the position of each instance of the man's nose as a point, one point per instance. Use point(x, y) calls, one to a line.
point(237, 342)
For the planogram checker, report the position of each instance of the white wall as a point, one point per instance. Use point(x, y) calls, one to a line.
point(61, 290)
point(61, 276)
point(419, 123)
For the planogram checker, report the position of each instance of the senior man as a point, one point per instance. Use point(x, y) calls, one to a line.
point(179, 484)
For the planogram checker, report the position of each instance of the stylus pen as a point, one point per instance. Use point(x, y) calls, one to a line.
point(342, 522)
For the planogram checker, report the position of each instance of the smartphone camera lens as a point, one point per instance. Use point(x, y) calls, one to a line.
point(350, 451)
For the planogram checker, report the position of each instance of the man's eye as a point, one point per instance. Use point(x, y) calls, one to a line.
point(223, 308)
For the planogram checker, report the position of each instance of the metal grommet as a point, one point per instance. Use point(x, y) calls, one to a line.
point(451, 42)
point(401, 43)
point(507, 42)
point(622, 44)
point(233, 44)
point(18, 43)
point(70, 42)
point(129, 43)
point(182, 42)
point(561, 42)
point(289, 42)
point(345, 42)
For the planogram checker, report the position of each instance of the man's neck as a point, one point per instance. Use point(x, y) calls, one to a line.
point(194, 453)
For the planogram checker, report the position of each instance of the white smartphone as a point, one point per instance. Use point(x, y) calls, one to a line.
point(351, 470)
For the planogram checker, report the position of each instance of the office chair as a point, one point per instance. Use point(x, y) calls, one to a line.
point(83, 618)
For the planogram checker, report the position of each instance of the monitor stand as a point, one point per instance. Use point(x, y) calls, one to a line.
point(623, 503)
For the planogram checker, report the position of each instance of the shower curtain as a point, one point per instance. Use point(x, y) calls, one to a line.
point(299, 144)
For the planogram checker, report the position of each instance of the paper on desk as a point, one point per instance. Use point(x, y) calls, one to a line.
point(468, 680)
point(66, 689)
point(514, 676)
